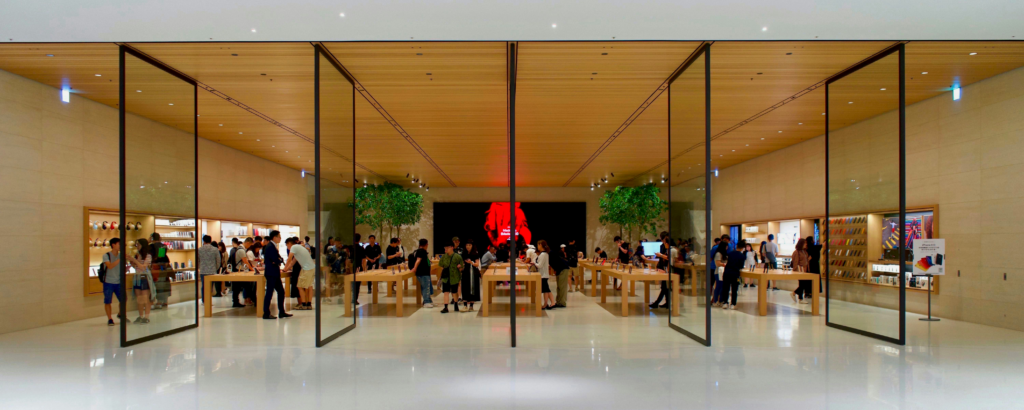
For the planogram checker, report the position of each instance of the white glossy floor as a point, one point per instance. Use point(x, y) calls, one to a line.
point(585, 356)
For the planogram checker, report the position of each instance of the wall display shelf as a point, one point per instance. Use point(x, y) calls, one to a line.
point(178, 234)
point(859, 246)
point(225, 230)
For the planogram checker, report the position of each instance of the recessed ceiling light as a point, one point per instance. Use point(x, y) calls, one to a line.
point(765, 28)
point(49, 55)
point(924, 72)
point(286, 152)
point(138, 91)
point(341, 14)
point(762, 139)
point(883, 89)
point(851, 102)
point(733, 150)
point(220, 125)
point(99, 75)
point(780, 131)
point(257, 140)
point(748, 145)
point(554, 26)
point(822, 113)
point(973, 54)
point(170, 104)
point(253, 30)
point(799, 123)
point(239, 132)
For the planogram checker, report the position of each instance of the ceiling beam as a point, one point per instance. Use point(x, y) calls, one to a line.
point(384, 113)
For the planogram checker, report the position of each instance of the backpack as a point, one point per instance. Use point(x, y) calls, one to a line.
point(232, 260)
point(102, 273)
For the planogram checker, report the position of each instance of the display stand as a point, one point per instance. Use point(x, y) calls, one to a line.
point(930, 318)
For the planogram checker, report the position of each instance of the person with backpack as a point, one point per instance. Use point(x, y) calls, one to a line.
point(110, 276)
point(239, 263)
point(209, 261)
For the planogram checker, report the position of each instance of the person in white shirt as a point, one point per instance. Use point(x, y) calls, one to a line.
point(541, 264)
point(299, 254)
point(531, 253)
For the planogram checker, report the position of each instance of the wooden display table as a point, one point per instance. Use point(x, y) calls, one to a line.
point(495, 274)
point(595, 271)
point(638, 275)
point(387, 276)
point(697, 274)
point(261, 289)
point(779, 274)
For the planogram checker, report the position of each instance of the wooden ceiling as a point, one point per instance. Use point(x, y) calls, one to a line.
point(457, 115)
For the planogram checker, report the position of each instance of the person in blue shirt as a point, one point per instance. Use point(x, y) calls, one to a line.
point(272, 272)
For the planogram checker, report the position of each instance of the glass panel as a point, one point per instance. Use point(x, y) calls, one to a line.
point(688, 210)
point(335, 173)
point(863, 194)
point(160, 237)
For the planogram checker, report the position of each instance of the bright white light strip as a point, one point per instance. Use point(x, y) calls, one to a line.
point(956, 93)
point(65, 95)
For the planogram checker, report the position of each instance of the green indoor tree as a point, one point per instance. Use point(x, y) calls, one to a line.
point(633, 208)
point(387, 205)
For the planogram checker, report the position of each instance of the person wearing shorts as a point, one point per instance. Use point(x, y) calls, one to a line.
point(451, 275)
point(298, 254)
point(112, 280)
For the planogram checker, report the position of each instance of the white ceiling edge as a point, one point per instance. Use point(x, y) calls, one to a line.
point(453, 20)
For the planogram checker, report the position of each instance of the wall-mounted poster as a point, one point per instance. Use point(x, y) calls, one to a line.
point(929, 257)
point(918, 226)
point(789, 233)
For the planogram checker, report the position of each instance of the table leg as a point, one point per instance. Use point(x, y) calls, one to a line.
point(647, 292)
point(485, 310)
point(287, 288)
point(208, 283)
point(529, 288)
point(814, 297)
point(493, 287)
point(762, 296)
point(419, 292)
point(593, 282)
point(261, 291)
point(400, 284)
point(604, 296)
point(374, 286)
point(675, 296)
point(632, 288)
point(538, 297)
point(346, 283)
point(390, 292)
point(625, 297)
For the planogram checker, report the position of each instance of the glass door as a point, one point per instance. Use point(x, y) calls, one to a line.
point(865, 179)
point(334, 185)
point(689, 195)
point(158, 236)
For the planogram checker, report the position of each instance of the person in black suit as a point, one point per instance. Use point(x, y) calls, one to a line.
point(272, 272)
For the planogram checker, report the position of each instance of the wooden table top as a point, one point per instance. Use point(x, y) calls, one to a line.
point(637, 274)
point(384, 274)
point(780, 274)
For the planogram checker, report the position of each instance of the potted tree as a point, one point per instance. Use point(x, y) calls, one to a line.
point(632, 208)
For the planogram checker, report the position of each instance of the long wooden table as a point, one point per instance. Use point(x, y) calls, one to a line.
point(779, 274)
point(497, 273)
point(697, 276)
point(595, 273)
point(261, 291)
point(387, 276)
point(638, 275)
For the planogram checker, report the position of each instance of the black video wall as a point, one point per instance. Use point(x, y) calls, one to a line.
point(488, 222)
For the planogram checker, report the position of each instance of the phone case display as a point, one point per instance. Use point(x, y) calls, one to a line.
point(847, 247)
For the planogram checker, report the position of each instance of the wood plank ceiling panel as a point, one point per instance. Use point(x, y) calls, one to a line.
point(451, 99)
point(572, 96)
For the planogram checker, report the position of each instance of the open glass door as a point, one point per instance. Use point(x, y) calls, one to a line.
point(865, 180)
point(157, 226)
point(689, 197)
point(333, 196)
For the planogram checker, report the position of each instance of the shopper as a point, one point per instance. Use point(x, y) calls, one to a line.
point(161, 270)
point(219, 287)
point(209, 263)
point(572, 256)
point(487, 259)
point(665, 258)
point(623, 258)
point(239, 263)
point(298, 256)
point(471, 276)
point(422, 269)
point(801, 263)
point(544, 268)
point(813, 260)
point(721, 257)
point(731, 275)
point(358, 265)
point(143, 284)
point(451, 275)
point(394, 254)
point(750, 263)
point(272, 272)
point(503, 251)
point(561, 269)
point(601, 255)
point(771, 251)
point(373, 253)
point(112, 279)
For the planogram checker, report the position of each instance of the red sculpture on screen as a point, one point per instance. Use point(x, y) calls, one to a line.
point(496, 223)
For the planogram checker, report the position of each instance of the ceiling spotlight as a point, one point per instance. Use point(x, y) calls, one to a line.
point(613, 175)
point(762, 139)
point(924, 72)
point(747, 145)
point(407, 175)
point(780, 131)
point(428, 188)
point(273, 146)
point(554, 26)
point(170, 104)
point(253, 30)
point(341, 14)
point(733, 150)
point(239, 132)
point(220, 125)
point(799, 123)
point(591, 188)
point(99, 75)
point(973, 54)
point(851, 102)
point(882, 89)
point(765, 28)
point(138, 91)
point(257, 140)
